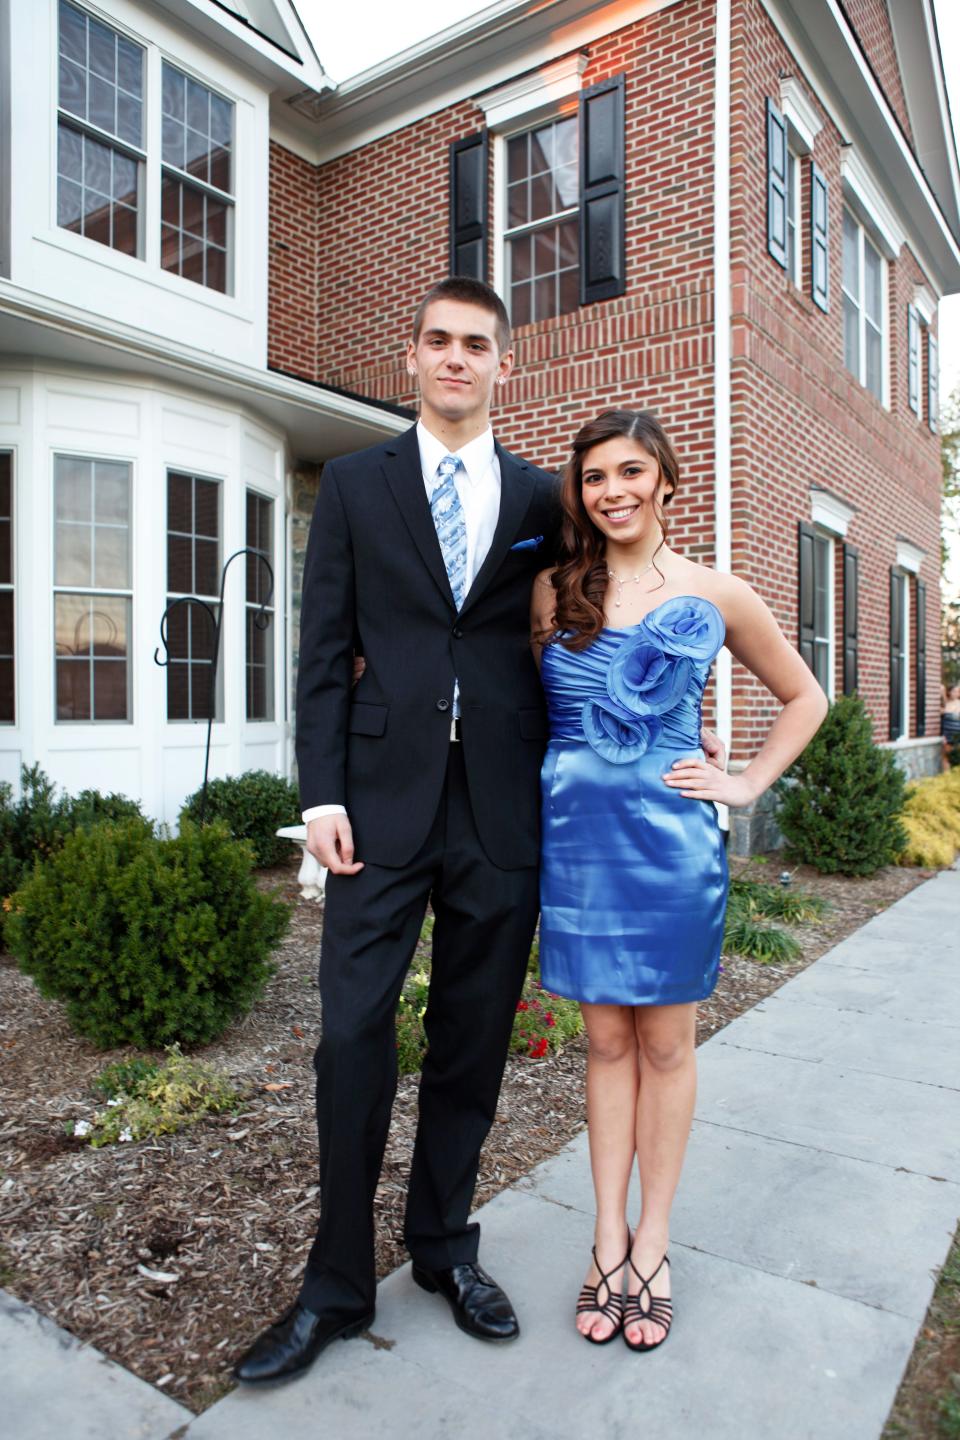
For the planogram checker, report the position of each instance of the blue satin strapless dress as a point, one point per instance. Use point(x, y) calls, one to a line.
point(633, 876)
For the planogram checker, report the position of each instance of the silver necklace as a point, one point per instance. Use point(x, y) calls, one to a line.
point(629, 580)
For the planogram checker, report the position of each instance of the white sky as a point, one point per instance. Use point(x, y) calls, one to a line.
point(350, 38)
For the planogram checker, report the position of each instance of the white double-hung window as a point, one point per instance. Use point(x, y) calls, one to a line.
point(865, 342)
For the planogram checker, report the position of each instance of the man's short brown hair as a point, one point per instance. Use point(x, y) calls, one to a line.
point(468, 292)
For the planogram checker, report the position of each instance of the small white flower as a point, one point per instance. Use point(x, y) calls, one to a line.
point(113, 1102)
point(125, 1134)
point(82, 1127)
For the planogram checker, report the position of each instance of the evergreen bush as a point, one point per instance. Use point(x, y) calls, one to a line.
point(253, 806)
point(931, 818)
point(842, 799)
point(37, 824)
point(147, 941)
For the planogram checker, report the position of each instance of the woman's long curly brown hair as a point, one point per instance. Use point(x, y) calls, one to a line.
point(580, 579)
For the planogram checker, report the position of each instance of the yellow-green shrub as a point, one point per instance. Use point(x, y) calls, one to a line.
point(931, 818)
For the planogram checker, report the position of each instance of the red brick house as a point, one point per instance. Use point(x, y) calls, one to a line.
point(739, 213)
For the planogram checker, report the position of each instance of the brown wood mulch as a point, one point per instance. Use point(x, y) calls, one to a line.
point(226, 1210)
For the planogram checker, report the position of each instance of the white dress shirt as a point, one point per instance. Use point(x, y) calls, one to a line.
point(478, 486)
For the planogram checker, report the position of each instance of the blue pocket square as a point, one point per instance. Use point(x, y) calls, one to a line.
point(530, 544)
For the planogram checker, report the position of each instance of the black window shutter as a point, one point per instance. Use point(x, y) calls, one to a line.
point(851, 606)
point(819, 240)
point(776, 184)
point(602, 192)
point(933, 382)
point(921, 658)
point(806, 594)
point(896, 655)
point(913, 359)
point(468, 206)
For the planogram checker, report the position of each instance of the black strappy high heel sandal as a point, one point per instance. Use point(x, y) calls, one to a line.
point(612, 1309)
point(659, 1309)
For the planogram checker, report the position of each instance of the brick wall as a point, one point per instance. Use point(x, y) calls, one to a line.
point(292, 272)
point(801, 419)
point(380, 240)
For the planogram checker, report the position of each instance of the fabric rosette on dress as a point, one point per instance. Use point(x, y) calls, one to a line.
point(649, 676)
point(686, 626)
point(617, 734)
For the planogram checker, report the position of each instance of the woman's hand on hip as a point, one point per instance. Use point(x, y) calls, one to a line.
point(700, 780)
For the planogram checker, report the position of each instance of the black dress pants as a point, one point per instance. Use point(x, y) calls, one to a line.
point(484, 923)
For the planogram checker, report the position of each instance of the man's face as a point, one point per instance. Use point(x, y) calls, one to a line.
point(456, 360)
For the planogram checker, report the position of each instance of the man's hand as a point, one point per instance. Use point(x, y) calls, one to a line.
point(359, 665)
point(713, 748)
point(330, 840)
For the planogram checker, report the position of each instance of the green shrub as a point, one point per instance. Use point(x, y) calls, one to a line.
point(147, 941)
point(931, 819)
point(253, 806)
point(842, 799)
point(747, 931)
point(155, 1099)
point(37, 824)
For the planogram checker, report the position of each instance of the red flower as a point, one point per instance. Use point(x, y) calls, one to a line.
point(538, 1049)
point(522, 1005)
point(550, 1019)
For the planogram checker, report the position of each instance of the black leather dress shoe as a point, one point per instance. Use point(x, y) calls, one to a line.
point(292, 1343)
point(479, 1305)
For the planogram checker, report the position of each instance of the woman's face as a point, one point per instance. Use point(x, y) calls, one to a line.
point(620, 481)
point(954, 692)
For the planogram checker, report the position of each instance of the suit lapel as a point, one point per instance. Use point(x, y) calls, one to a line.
point(405, 478)
point(516, 490)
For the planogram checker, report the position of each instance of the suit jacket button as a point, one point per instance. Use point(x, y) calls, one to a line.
point(443, 704)
point(457, 633)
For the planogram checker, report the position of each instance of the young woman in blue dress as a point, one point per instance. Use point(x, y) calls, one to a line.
point(633, 871)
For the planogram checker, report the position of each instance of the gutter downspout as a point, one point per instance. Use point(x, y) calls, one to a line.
point(721, 353)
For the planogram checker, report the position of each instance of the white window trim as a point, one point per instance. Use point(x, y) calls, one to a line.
point(909, 557)
point(146, 262)
point(800, 114)
point(525, 121)
point(130, 593)
point(795, 192)
point(829, 513)
point(222, 482)
point(866, 199)
point(541, 90)
point(924, 304)
point(831, 635)
point(863, 233)
point(11, 586)
point(271, 609)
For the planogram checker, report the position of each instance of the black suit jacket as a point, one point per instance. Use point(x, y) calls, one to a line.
point(375, 583)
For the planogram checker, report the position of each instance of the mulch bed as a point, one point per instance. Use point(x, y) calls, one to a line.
point(227, 1209)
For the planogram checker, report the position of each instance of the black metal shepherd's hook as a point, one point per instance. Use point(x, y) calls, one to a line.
point(261, 619)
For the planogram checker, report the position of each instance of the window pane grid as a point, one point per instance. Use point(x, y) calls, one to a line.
point(259, 642)
point(542, 236)
point(197, 129)
point(100, 75)
point(193, 233)
point(92, 584)
point(193, 568)
point(101, 87)
point(863, 307)
point(793, 216)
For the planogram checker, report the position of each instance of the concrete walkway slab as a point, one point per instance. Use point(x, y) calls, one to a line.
point(56, 1388)
point(820, 1192)
point(876, 1043)
point(834, 1108)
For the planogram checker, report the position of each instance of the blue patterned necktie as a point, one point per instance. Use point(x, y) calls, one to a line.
point(447, 512)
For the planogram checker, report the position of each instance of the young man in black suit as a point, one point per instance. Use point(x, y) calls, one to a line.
point(422, 784)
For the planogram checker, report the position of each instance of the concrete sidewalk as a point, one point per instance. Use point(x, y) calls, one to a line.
point(820, 1194)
